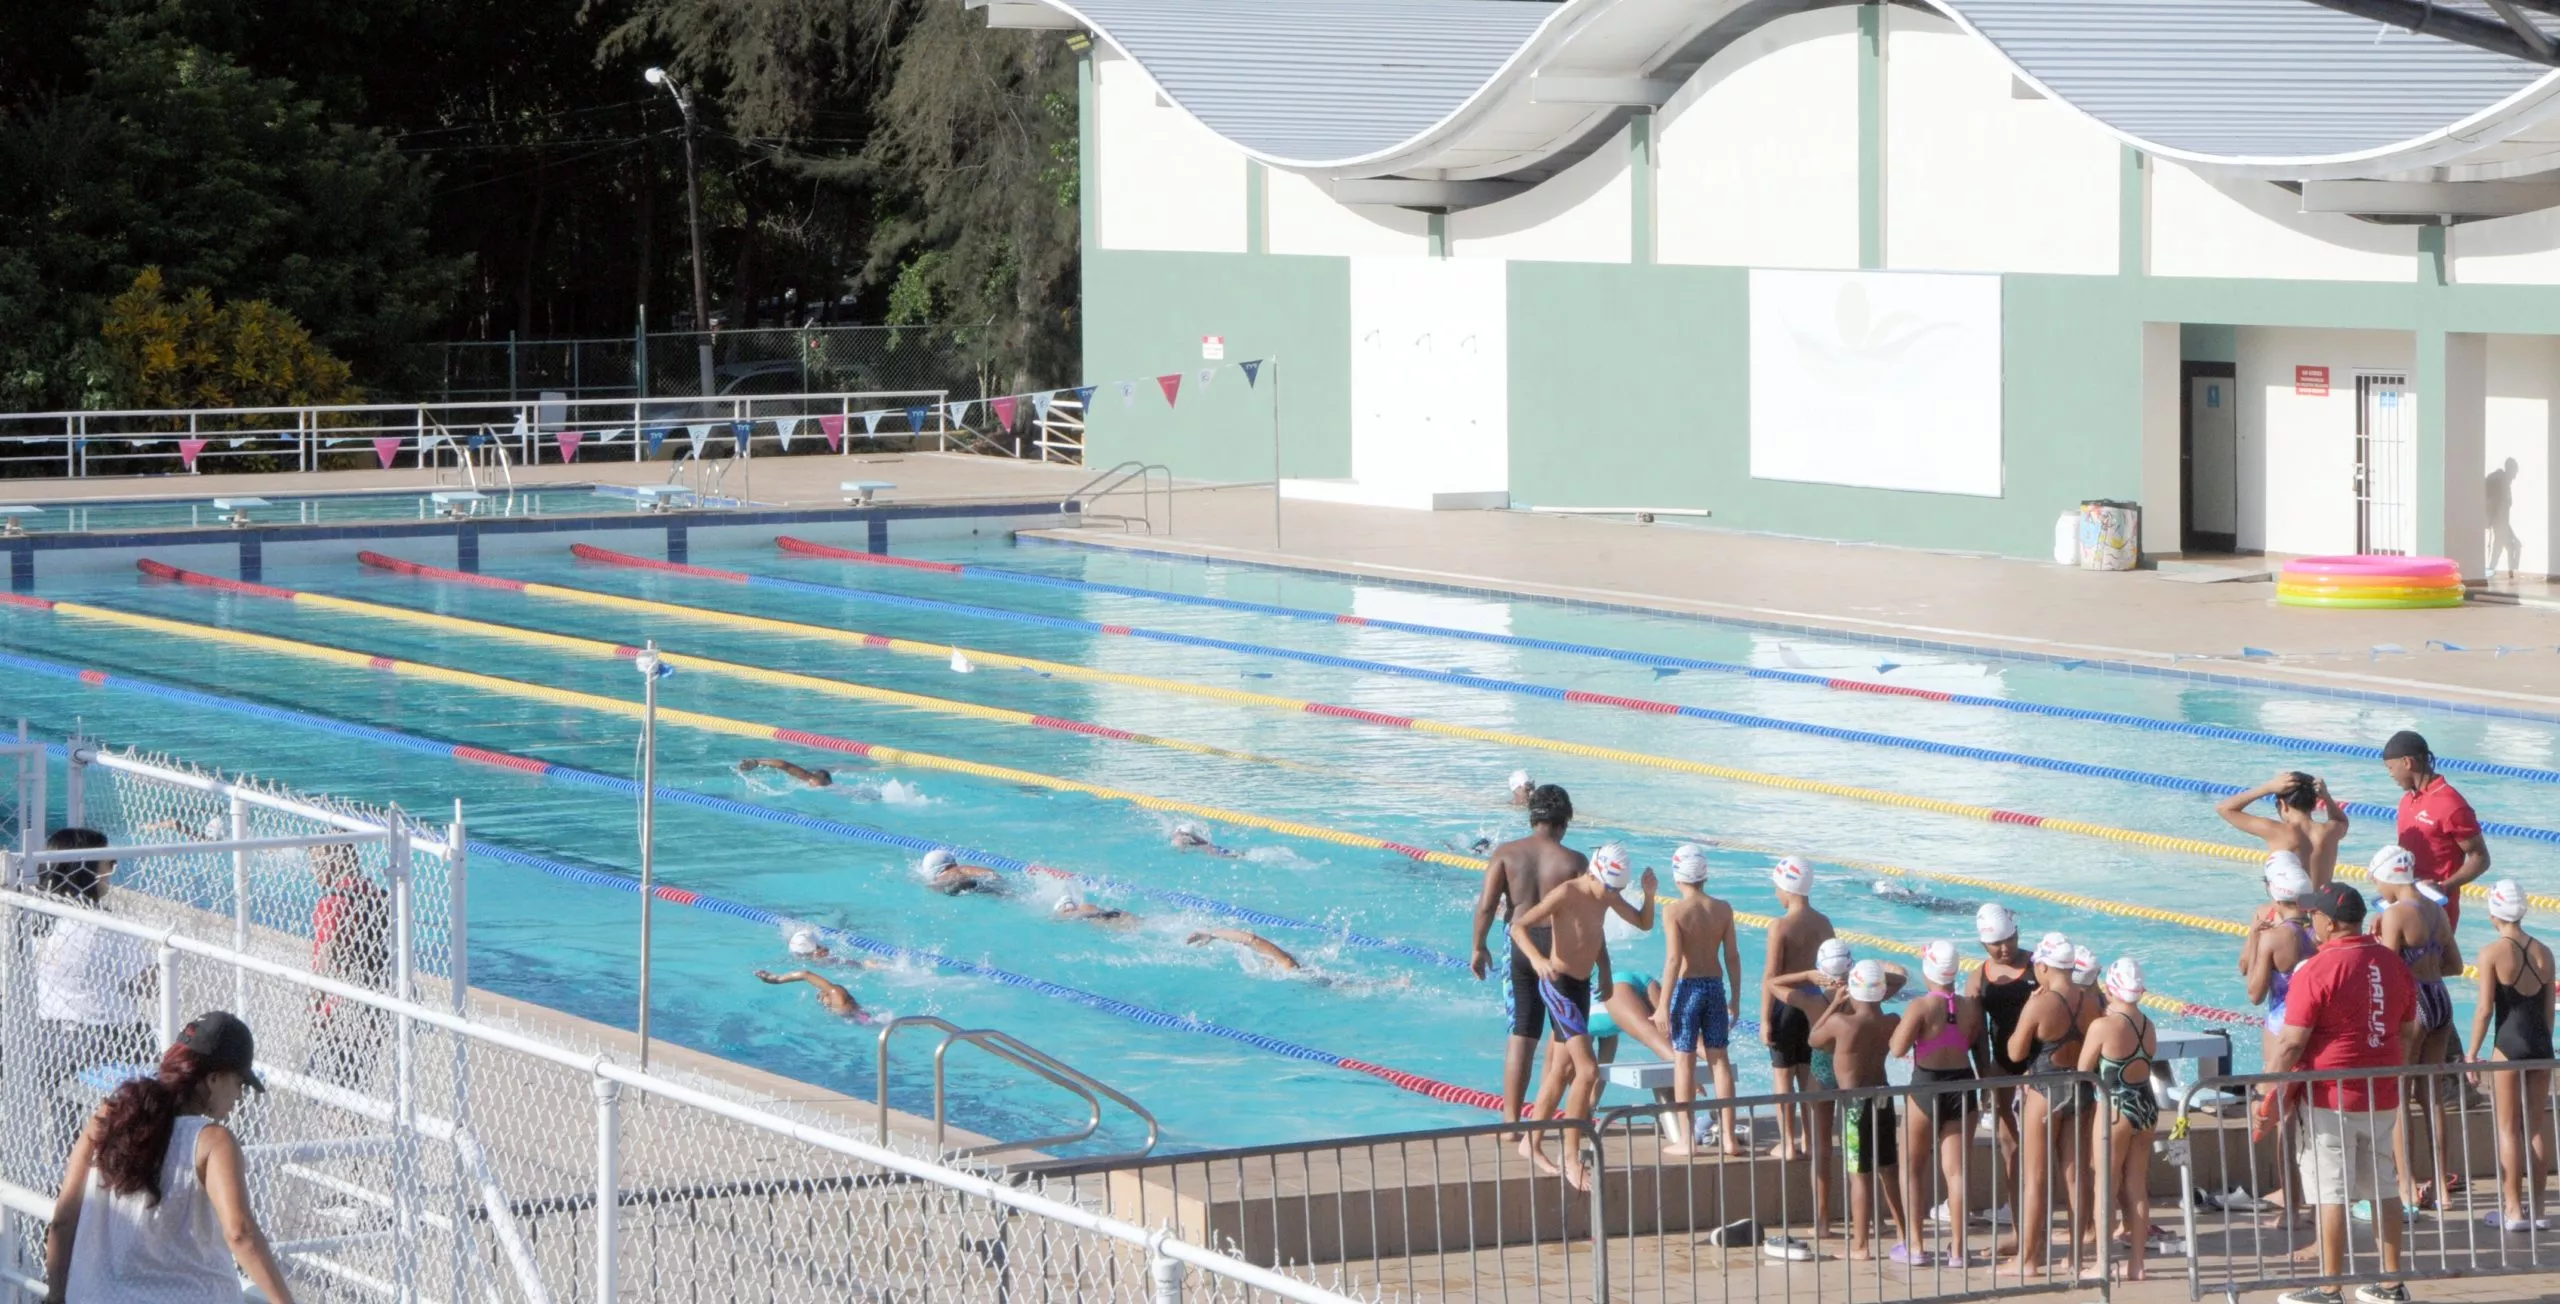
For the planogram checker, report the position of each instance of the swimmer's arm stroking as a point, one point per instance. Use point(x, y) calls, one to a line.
point(1527, 946)
point(1488, 904)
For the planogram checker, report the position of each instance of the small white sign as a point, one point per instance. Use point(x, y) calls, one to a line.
point(1213, 348)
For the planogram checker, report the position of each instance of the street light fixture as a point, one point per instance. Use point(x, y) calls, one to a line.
point(693, 218)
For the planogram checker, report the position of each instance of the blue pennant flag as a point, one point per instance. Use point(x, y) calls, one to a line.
point(1084, 396)
point(657, 436)
point(479, 437)
point(742, 431)
point(1251, 370)
point(916, 418)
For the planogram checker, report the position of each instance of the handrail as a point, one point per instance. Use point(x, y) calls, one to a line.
point(1120, 475)
point(1013, 1050)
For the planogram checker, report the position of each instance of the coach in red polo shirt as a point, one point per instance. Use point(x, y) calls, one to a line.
point(2436, 825)
point(2352, 1005)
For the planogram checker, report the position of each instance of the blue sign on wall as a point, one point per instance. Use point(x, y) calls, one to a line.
point(2213, 396)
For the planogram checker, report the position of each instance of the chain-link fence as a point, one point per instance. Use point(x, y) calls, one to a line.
point(804, 360)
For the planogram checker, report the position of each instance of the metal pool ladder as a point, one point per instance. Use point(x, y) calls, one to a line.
point(1013, 1050)
point(1118, 477)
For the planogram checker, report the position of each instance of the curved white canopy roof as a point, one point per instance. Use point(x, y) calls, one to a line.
point(1442, 89)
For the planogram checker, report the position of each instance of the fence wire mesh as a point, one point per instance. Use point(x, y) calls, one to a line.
point(802, 360)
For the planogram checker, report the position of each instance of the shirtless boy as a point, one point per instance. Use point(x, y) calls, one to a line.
point(1516, 876)
point(1701, 972)
point(1794, 942)
point(1575, 913)
point(1859, 1035)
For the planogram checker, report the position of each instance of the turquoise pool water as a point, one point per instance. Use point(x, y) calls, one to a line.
point(540, 939)
point(330, 509)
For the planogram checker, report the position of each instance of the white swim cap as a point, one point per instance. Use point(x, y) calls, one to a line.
point(1793, 876)
point(2287, 880)
point(1866, 981)
point(2054, 952)
point(1938, 962)
point(2124, 980)
point(1833, 959)
point(938, 860)
point(2507, 901)
point(2394, 866)
point(1520, 780)
point(2084, 967)
point(1065, 904)
point(1995, 922)
point(804, 942)
point(1609, 865)
point(1689, 863)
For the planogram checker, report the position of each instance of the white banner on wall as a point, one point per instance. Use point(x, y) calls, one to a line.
point(1881, 380)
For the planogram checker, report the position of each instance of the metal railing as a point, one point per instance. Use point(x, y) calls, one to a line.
point(1059, 432)
point(667, 364)
point(1117, 479)
point(1013, 1050)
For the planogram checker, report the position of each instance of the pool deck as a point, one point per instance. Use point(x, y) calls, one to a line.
point(2150, 619)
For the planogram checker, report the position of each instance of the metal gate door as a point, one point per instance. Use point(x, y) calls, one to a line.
point(2386, 466)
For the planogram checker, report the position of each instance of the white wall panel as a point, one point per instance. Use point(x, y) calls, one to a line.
point(1889, 380)
point(1303, 219)
point(2519, 250)
point(2298, 452)
point(2202, 226)
point(2524, 399)
point(1978, 180)
point(1583, 214)
point(1430, 375)
point(1759, 152)
point(1166, 181)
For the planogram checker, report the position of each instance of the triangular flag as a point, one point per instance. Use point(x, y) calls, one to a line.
point(961, 663)
point(657, 436)
point(1005, 408)
point(1207, 374)
point(832, 426)
point(479, 437)
point(960, 412)
point(569, 440)
point(743, 434)
point(610, 436)
point(915, 418)
point(387, 448)
point(783, 428)
point(1251, 369)
point(697, 434)
point(871, 422)
point(1040, 402)
point(244, 443)
point(1084, 396)
point(520, 426)
point(1128, 392)
point(1171, 384)
point(188, 449)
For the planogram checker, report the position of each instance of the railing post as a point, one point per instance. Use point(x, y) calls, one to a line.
point(1595, 1174)
point(168, 976)
point(1164, 1273)
point(404, 938)
point(75, 786)
point(239, 900)
point(608, 1183)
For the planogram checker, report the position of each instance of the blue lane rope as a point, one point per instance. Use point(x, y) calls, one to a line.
point(2219, 733)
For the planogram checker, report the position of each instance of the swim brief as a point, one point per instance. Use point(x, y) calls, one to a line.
point(2435, 1005)
point(1522, 1008)
point(1568, 1003)
point(1790, 1037)
point(1698, 1016)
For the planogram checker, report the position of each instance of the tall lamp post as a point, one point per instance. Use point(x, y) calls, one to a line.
point(693, 218)
point(652, 668)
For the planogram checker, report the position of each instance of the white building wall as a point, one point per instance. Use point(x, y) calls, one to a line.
point(1758, 154)
point(1166, 181)
point(1584, 214)
point(1300, 218)
point(1978, 180)
point(2297, 452)
point(2519, 250)
point(2524, 400)
point(2203, 226)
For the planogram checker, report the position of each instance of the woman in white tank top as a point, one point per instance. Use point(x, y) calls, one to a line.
point(155, 1202)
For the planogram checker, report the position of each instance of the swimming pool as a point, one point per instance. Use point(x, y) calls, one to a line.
point(1222, 1051)
point(321, 509)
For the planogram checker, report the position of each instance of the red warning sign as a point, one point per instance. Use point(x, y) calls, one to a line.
point(2311, 382)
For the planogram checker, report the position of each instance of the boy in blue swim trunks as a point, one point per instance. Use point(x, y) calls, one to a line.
point(1702, 970)
point(1574, 913)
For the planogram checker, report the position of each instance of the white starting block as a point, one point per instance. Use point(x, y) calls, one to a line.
point(9, 517)
point(2211, 1052)
point(858, 492)
point(455, 502)
point(238, 508)
point(660, 497)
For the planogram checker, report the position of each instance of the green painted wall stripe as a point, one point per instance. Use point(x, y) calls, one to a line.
point(1257, 209)
point(2133, 215)
point(1436, 234)
point(1871, 135)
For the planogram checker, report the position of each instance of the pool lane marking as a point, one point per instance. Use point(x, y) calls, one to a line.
point(1647, 706)
point(532, 765)
point(2219, 733)
point(781, 678)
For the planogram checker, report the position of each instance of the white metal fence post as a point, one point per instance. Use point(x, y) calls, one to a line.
point(75, 785)
point(404, 938)
point(168, 994)
point(239, 900)
point(608, 1183)
point(1164, 1272)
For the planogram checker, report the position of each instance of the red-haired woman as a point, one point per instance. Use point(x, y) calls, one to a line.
point(155, 1203)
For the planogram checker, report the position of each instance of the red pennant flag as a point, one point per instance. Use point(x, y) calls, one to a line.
point(834, 428)
point(188, 448)
point(387, 448)
point(1004, 413)
point(569, 441)
point(1172, 383)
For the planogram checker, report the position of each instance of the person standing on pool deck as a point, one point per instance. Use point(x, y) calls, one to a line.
point(2437, 826)
point(1702, 969)
point(1942, 1033)
point(1575, 914)
point(2299, 796)
point(1517, 876)
point(2515, 1008)
point(2001, 985)
point(1795, 942)
point(2121, 1040)
point(2420, 932)
point(2055, 1117)
point(1859, 1035)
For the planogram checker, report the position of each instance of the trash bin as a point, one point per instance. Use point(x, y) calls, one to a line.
point(2110, 535)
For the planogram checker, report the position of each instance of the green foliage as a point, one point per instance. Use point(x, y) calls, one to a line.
point(187, 352)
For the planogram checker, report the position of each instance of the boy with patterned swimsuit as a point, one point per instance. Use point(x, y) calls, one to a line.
point(1574, 913)
point(1699, 952)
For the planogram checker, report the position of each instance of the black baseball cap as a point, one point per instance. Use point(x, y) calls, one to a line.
point(224, 1042)
point(2405, 745)
point(2339, 902)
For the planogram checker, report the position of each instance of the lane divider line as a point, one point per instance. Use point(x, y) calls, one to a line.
point(2220, 733)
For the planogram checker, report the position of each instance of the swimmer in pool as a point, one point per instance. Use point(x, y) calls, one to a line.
point(1481, 846)
point(1077, 908)
point(1259, 945)
point(810, 777)
point(1521, 787)
point(1903, 894)
point(835, 998)
point(945, 874)
point(1191, 837)
point(806, 948)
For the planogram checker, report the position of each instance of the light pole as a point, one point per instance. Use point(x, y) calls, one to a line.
point(693, 219)
point(652, 669)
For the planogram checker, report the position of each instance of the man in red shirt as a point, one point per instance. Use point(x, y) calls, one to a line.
point(2436, 825)
point(2353, 1005)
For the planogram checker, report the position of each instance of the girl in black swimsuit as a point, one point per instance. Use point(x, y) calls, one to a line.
point(2002, 1000)
point(2515, 1005)
point(2049, 1032)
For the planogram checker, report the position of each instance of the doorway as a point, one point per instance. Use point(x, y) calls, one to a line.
point(2209, 458)
point(2386, 466)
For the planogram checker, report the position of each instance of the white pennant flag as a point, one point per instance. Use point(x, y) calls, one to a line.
point(698, 434)
point(783, 426)
point(1128, 392)
point(871, 422)
point(609, 436)
point(960, 412)
point(1207, 374)
point(1040, 402)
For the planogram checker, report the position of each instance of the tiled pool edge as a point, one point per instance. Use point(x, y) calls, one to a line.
point(2106, 665)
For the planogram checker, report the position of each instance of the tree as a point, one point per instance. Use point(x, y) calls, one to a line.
point(188, 352)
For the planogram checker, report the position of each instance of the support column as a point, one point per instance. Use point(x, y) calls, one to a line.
point(1640, 178)
point(1088, 140)
point(1257, 210)
point(1436, 234)
point(2133, 217)
point(1871, 161)
point(2453, 449)
point(2163, 525)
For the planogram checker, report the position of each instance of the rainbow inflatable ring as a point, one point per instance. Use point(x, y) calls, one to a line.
point(2370, 583)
